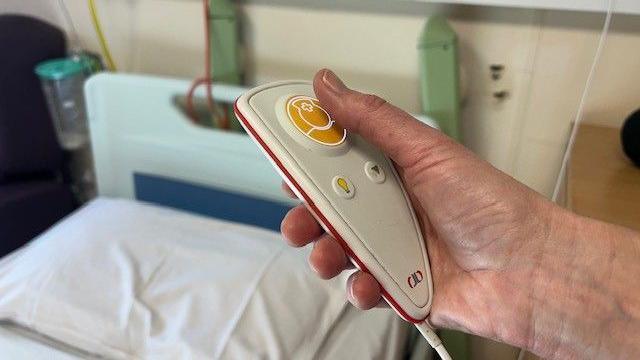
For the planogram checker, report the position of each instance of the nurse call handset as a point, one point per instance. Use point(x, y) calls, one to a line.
point(350, 187)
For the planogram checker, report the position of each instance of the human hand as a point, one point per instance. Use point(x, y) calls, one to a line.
point(475, 218)
point(486, 233)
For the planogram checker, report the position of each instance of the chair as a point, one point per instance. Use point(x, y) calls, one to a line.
point(33, 195)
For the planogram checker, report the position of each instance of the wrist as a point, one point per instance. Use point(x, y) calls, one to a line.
point(545, 247)
point(553, 283)
point(581, 292)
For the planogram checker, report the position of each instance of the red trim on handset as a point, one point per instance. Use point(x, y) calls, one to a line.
point(394, 304)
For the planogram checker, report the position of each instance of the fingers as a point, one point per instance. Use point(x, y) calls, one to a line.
point(299, 228)
point(384, 125)
point(287, 190)
point(363, 290)
point(327, 258)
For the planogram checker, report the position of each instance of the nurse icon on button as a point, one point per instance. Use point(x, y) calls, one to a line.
point(314, 122)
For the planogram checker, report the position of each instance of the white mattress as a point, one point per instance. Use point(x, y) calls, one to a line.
point(106, 243)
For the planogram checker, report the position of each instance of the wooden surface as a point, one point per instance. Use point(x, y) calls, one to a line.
point(602, 182)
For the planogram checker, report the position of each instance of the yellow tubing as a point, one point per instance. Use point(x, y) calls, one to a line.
point(103, 42)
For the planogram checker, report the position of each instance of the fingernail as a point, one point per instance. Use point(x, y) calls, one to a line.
point(313, 267)
point(313, 246)
point(350, 292)
point(332, 81)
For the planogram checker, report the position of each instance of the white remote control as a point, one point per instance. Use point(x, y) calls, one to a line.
point(351, 188)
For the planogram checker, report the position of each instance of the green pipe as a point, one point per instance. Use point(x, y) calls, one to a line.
point(439, 75)
point(223, 27)
point(223, 38)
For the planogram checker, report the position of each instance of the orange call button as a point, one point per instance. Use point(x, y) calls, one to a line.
point(314, 122)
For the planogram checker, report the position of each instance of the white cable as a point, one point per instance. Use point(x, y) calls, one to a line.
point(583, 101)
point(432, 338)
point(579, 115)
point(75, 38)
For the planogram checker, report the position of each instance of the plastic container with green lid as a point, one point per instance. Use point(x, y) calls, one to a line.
point(62, 82)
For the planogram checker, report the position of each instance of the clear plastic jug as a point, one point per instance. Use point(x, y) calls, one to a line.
point(62, 82)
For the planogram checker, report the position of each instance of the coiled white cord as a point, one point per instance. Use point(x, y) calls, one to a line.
point(432, 338)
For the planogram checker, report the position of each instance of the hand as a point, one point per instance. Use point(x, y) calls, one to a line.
point(486, 233)
point(475, 218)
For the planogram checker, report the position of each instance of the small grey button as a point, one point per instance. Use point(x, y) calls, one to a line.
point(374, 172)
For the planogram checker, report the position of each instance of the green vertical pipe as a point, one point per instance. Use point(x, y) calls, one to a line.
point(223, 37)
point(223, 27)
point(439, 75)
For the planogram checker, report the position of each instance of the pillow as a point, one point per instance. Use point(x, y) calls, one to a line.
point(127, 280)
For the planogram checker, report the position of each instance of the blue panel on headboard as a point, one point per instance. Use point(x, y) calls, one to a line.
point(209, 201)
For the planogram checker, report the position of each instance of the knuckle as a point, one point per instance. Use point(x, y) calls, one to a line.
point(365, 102)
point(366, 105)
point(372, 103)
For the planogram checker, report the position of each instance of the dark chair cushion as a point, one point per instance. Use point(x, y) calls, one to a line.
point(28, 209)
point(27, 139)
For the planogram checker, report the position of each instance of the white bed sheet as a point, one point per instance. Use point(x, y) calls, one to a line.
point(122, 245)
point(21, 344)
point(375, 334)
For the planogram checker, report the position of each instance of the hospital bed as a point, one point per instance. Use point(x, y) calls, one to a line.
point(179, 257)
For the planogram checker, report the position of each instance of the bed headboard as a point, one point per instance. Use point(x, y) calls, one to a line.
point(145, 148)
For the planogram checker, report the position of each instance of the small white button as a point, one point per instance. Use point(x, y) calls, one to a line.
point(374, 172)
point(343, 187)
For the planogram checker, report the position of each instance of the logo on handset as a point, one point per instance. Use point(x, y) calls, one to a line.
point(414, 279)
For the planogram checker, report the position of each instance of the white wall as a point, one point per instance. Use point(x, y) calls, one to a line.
point(372, 44)
point(44, 10)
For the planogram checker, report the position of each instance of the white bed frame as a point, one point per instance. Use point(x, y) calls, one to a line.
point(136, 128)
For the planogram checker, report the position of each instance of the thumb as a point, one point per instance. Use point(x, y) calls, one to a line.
point(387, 127)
